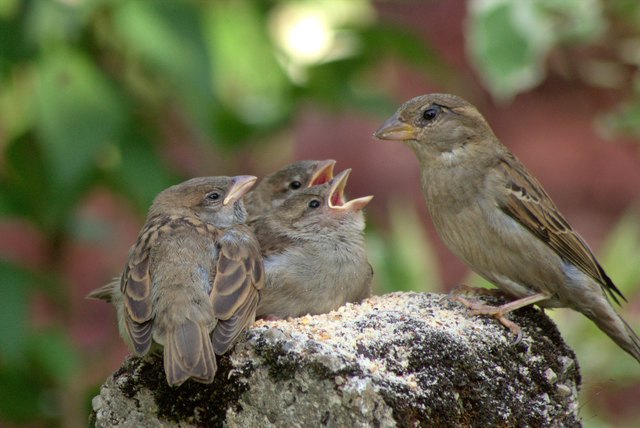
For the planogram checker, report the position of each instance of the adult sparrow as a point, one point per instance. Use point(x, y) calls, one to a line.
point(273, 189)
point(314, 252)
point(192, 280)
point(494, 215)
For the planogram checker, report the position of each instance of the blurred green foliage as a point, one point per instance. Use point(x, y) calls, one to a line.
point(510, 41)
point(403, 257)
point(91, 90)
point(513, 44)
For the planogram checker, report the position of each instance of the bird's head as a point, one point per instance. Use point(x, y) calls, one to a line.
point(436, 124)
point(215, 200)
point(323, 207)
point(293, 178)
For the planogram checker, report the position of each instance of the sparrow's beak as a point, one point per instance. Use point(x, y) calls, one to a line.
point(337, 200)
point(323, 173)
point(240, 185)
point(395, 129)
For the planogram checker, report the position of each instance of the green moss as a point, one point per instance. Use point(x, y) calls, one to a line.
point(191, 402)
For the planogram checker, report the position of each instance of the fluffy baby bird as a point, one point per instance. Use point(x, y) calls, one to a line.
point(314, 252)
point(272, 190)
point(494, 215)
point(192, 280)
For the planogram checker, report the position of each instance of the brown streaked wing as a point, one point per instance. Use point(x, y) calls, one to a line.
point(527, 203)
point(235, 278)
point(136, 280)
point(235, 292)
point(226, 331)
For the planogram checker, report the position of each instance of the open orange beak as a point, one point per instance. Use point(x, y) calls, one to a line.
point(337, 200)
point(240, 185)
point(323, 173)
point(395, 129)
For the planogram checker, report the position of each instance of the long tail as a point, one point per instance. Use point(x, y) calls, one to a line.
point(188, 353)
point(608, 320)
point(105, 292)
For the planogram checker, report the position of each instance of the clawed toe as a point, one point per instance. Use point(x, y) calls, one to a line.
point(478, 308)
point(515, 328)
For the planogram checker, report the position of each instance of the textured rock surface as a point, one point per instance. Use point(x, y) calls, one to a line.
point(403, 359)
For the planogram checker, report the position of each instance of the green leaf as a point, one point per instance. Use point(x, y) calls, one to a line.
point(26, 188)
point(167, 37)
point(78, 115)
point(508, 42)
point(21, 394)
point(624, 242)
point(409, 47)
point(13, 316)
point(575, 20)
point(166, 34)
point(140, 173)
point(624, 119)
point(248, 78)
point(49, 22)
point(14, 47)
point(54, 355)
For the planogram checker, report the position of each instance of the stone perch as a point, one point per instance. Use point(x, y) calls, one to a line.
point(403, 359)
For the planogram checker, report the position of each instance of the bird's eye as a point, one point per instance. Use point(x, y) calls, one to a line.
point(295, 185)
point(431, 113)
point(213, 196)
point(314, 203)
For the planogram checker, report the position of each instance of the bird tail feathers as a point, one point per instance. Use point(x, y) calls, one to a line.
point(610, 322)
point(105, 292)
point(188, 353)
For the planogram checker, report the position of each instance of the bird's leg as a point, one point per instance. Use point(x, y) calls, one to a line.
point(500, 312)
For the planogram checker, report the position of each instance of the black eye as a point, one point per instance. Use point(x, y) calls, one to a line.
point(314, 203)
point(213, 196)
point(295, 185)
point(431, 113)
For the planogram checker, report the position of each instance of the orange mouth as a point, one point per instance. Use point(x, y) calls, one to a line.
point(323, 174)
point(337, 200)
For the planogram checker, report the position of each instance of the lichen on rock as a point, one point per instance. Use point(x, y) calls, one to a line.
point(402, 359)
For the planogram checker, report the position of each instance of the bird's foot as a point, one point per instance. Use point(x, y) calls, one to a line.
point(498, 312)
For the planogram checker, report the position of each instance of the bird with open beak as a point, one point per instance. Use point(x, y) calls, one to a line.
point(273, 189)
point(493, 214)
point(314, 252)
point(192, 280)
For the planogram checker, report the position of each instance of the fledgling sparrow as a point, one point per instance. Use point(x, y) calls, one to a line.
point(192, 280)
point(273, 189)
point(494, 215)
point(314, 252)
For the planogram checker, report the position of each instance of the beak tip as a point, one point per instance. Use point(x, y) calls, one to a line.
point(239, 187)
point(395, 129)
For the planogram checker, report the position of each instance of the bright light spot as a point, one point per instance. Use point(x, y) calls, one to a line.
point(309, 33)
point(303, 33)
point(309, 39)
